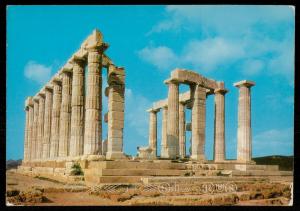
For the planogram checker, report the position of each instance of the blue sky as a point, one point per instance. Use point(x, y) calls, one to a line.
point(228, 43)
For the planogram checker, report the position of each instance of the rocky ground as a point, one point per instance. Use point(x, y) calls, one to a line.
point(25, 190)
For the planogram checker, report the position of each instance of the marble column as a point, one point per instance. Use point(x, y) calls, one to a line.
point(35, 128)
point(47, 121)
point(40, 129)
point(153, 131)
point(55, 117)
point(164, 132)
point(172, 151)
point(181, 130)
point(77, 114)
point(93, 104)
point(65, 113)
point(30, 127)
point(219, 125)
point(26, 135)
point(116, 100)
point(198, 122)
point(244, 136)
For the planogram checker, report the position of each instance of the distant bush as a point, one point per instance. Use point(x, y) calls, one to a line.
point(285, 163)
point(76, 169)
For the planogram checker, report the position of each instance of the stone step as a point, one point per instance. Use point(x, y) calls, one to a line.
point(136, 165)
point(142, 172)
point(92, 180)
point(261, 173)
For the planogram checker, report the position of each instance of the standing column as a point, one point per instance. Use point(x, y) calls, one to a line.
point(181, 129)
point(93, 104)
point(244, 136)
point(26, 135)
point(35, 127)
point(47, 121)
point(153, 131)
point(77, 114)
point(219, 129)
point(65, 114)
point(55, 116)
point(173, 120)
point(164, 131)
point(40, 130)
point(198, 122)
point(116, 98)
point(30, 127)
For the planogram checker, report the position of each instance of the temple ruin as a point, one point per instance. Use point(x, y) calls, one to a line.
point(64, 126)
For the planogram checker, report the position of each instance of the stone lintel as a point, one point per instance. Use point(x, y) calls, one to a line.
point(106, 61)
point(244, 83)
point(222, 91)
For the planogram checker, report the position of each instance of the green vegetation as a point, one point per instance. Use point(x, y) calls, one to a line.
point(285, 163)
point(76, 169)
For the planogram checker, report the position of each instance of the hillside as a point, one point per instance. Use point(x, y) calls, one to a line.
point(10, 164)
point(285, 162)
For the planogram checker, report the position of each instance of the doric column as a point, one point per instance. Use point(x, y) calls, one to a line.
point(93, 105)
point(116, 99)
point(164, 132)
point(181, 129)
point(27, 128)
point(172, 149)
point(47, 121)
point(244, 136)
point(219, 127)
point(153, 130)
point(30, 127)
point(65, 114)
point(198, 122)
point(35, 128)
point(40, 129)
point(55, 116)
point(77, 114)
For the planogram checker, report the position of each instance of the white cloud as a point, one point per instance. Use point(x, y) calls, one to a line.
point(162, 57)
point(37, 72)
point(277, 141)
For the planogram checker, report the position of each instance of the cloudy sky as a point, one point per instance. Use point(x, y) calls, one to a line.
point(225, 43)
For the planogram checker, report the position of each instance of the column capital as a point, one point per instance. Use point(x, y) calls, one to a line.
point(48, 87)
point(220, 90)
point(78, 59)
point(153, 110)
point(171, 81)
point(36, 99)
point(28, 102)
point(95, 42)
point(245, 83)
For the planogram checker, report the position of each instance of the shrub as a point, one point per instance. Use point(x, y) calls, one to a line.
point(76, 169)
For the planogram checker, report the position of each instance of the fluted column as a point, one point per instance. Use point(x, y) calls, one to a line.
point(173, 121)
point(47, 121)
point(65, 114)
point(219, 125)
point(153, 131)
point(164, 131)
point(115, 117)
point(244, 136)
point(35, 127)
point(93, 104)
point(181, 130)
point(40, 129)
point(30, 128)
point(27, 128)
point(198, 122)
point(55, 117)
point(77, 114)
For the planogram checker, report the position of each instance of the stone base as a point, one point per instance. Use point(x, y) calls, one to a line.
point(199, 158)
point(115, 155)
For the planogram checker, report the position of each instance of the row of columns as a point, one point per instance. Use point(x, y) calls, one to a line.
point(65, 120)
point(173, 123)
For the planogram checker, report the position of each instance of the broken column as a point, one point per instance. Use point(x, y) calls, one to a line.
point(181, 129)
point(47, 121)
point(219, 129)
point(77, 114)
point(116, 99)
point(198, 122)
point(172, 148)
point(55, 116)
point(65, 113)
point(244, 136)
